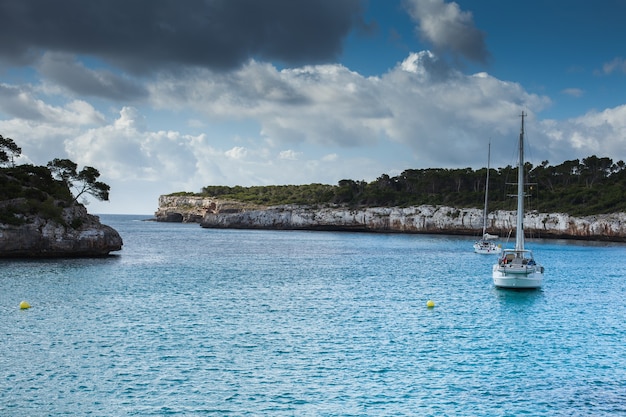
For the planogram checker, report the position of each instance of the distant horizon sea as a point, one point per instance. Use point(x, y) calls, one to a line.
point(186, 321)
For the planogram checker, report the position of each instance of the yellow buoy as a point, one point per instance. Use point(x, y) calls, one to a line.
point(430, 303)
point(24, 305)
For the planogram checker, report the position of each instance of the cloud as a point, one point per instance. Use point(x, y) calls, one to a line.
point(24, 102)
point(595, 133)
point(64, 70)
point(123, 149)
point(616, 65)
point(574, 92)
point(289, 154)
point(290, 104)
point(20, 102)
point(238, 152)
point(420, 103)
point(448, 28)
point(40, 128)
point(147, 35)
point(422, 108)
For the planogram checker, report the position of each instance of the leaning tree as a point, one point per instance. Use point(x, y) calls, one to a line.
point(8, 150)
point(80, 182)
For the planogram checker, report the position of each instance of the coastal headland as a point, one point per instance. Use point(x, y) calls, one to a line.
point(216, 213)
point(75, 234)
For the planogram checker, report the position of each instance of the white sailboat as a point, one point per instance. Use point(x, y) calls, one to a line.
point(517, 268)
point(486, 245)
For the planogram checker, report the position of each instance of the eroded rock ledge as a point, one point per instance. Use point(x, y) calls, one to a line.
point(214, 213)
point(43, 238)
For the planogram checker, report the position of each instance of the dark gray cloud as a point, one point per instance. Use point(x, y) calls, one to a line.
point(146, 35)
point(66, 71)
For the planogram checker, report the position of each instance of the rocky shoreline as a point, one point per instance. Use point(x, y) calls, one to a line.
point(215, 213)
point(81, 235)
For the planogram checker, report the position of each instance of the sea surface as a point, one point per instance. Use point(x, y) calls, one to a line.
point(188, 321)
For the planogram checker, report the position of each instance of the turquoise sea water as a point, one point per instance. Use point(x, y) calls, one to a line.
point(190, 321)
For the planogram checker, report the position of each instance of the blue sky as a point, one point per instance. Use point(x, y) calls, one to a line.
point(163, 96)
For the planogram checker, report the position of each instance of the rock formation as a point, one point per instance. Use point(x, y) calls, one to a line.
point(81, 235)
point(213, 213)
point(192, 209)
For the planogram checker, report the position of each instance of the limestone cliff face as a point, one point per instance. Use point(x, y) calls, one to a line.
point(42, 238)
point(420, 219)
point(190, 209)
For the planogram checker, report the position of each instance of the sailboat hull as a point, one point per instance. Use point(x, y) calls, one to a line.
point(511, 276)
point(487, 248)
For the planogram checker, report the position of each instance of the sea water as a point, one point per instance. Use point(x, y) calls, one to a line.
point(191, 321)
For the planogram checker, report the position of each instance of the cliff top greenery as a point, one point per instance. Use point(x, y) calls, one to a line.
point(28, 190)
point(589, 186)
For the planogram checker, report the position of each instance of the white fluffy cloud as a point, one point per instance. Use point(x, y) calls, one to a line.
point(419, 104)
point(595, 133)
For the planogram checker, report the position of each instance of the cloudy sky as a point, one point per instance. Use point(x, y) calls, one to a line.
point(166, 95)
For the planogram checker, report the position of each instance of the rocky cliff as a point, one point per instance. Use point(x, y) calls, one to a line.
point(81, 235)
point(213, 213)
point(192, 209)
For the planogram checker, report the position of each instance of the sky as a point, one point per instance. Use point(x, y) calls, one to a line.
point(163, 96)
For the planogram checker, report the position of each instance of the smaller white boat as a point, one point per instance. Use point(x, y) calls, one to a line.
point(516, 268)
point(486, 245)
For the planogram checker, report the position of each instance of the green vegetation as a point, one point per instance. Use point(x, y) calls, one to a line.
point(29, 190)
point(42, 190)
point(591, 186)
point(275, 194)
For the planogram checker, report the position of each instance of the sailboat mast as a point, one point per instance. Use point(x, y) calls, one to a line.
point(519, 234)
point(486, 191)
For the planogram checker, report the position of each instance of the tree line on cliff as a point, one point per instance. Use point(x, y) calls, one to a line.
point(42, 190)
point(593, 185)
